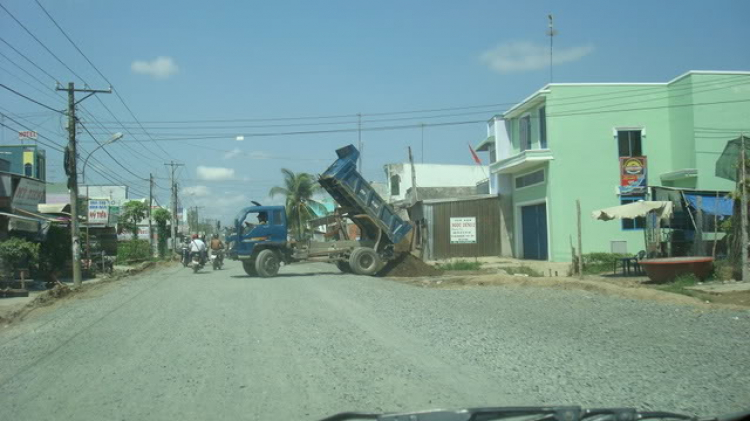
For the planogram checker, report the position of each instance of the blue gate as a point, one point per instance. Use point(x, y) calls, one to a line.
point(534, 231)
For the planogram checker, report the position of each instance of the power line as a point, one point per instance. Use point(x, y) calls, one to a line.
point(53, 145)
point(30, 99)
point(99, 72)
point(41, 43)
point(20, 79)
point(29, 60)
point(107, 152)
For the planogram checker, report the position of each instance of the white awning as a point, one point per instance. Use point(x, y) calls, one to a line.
point(634, 210)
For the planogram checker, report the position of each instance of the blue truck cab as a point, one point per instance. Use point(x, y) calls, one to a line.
point(258, 228)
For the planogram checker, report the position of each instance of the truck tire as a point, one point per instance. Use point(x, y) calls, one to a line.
point(344, 267)
point(267, 263)
point(364, 261)
point(249, 267)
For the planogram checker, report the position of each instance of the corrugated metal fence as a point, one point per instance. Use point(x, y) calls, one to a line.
point(437, 216)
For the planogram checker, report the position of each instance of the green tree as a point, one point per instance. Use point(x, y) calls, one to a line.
point(162, 216)
point(15, 251)
point(299, 190)
point(132, 213)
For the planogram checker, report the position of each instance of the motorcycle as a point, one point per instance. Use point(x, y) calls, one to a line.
point(185, 254)
point(217, 259)
point(196, 262)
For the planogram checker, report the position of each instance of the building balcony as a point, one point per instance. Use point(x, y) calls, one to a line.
point(484, 145)
point(521, 161)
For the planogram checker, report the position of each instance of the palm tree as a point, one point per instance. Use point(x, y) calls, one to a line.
point(300, 206)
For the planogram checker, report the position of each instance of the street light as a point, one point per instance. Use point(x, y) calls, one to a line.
point(115, 137)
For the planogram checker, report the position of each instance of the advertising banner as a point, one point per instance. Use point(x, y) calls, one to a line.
point(29, 194)
point(633, 175)
point(98, 211)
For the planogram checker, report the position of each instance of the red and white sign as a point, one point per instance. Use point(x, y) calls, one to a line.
point(27, 134)
point(29, 194)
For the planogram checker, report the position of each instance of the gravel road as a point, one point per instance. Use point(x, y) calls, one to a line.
point(219, 345)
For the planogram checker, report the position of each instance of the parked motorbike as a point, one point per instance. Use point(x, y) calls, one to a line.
point(185, 254)
point(196, 262)
point(217, 259)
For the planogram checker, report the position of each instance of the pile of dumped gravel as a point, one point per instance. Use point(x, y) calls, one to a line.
point(407, 265)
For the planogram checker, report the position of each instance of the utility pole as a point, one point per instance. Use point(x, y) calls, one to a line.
point(71, 155)
point(413, 178)
point(422, 126)
point(150, 204)
point(743, 203)
point(359, 140)
point(174, 166)
point(551, 32)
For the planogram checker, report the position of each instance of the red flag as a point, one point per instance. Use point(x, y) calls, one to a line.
point(475, 156)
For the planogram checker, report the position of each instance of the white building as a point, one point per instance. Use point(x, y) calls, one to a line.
point(399, 176)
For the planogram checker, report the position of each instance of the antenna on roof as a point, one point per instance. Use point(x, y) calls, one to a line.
point(551, 32)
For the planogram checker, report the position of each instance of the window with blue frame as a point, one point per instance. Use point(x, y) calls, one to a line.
point(636, 223)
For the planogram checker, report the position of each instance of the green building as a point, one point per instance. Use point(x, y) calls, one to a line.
point(565, 142)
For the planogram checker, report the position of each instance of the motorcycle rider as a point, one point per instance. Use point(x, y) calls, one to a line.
point(198, 246)
point(217, 247)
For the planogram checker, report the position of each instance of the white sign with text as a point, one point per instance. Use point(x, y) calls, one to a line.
point(464, 230)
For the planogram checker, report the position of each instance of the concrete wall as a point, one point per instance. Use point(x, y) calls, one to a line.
point(432, 175)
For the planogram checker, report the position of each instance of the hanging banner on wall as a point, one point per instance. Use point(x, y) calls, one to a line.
point(633, 175)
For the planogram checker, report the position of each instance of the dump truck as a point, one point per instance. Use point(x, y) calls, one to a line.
point(262, 241)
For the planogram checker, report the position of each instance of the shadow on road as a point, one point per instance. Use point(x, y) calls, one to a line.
point(289, 275)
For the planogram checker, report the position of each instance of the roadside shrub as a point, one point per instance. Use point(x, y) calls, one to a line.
point(17, 252)
point(596, 263)
point(523, 270)
point(460, 265)
point(722, 270)
point(133, 251)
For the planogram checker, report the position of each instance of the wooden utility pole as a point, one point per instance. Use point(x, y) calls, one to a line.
point(413, 178)
point(743, 203)
point(174, 166)
point(71, 155)
point(359, 140)
point(580, 254)
point(150, 204)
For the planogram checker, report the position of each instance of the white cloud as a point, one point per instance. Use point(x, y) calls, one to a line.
point(518, 56)
point(197, 191)
point(234, 153)
point(159, 68)
point(240, 138)
point(214, 173)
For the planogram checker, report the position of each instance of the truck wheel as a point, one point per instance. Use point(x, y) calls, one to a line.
point(267, 263)
point(249, 267)
point(364, 261)
point(344, 267)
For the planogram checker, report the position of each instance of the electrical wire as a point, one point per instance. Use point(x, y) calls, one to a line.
point(29, 60)
point(30, 99)
point(41, 43)
point(99, 72)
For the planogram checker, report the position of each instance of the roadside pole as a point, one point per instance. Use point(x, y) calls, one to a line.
point(150, 204)
point(580, 254)
point(173, 166)
point(413, 178)
point(71, 155)
point(743, 211)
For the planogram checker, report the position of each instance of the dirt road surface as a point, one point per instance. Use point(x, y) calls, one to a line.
point(170, 344)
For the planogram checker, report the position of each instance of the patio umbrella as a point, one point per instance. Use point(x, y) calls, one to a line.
point(726, 165)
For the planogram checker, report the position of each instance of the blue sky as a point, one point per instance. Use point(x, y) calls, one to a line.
point(282, 59)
